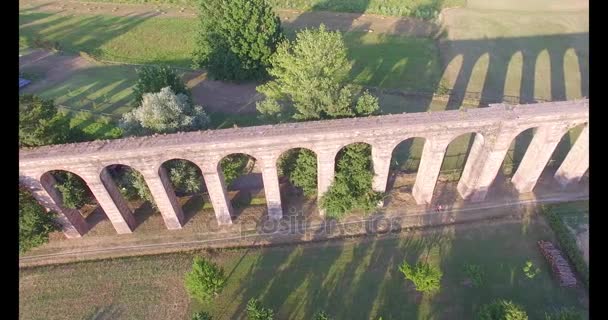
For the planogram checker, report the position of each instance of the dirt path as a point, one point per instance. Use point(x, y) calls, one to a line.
point(292, 19)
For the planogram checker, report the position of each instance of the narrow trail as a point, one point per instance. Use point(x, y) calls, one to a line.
point(292, 19)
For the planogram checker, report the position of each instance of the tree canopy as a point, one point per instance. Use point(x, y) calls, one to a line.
point(40, 122)
point(35, 224)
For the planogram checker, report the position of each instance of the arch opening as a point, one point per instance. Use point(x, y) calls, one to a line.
point(245, 186)
point(403, 170)
point(188, 186)
point(457, 154)
point(297, 171)
point(546, 179)
point(133, 191)
point(71, 193)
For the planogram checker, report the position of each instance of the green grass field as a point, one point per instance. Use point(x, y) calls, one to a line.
point(353, 280)
point(383, 7)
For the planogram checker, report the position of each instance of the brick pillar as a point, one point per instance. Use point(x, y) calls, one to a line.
point(433, 153)
point(72, 223)
point(537, 155)
point(110, 200)
point(326, 162)
point(272, 189)
point(216, 187)
point(164, 196)
point(381, 158)
point(576, 162)
point(484, 161)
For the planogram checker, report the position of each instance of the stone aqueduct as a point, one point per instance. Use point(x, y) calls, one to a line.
point(495, 127)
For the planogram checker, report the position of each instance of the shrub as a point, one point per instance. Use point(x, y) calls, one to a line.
point(152, 79)
point(40, 123)
point(205, 281)
point(300, 167)
point(501, 310)
point(164, 112)
point(321, 315)
point(256, 311)
point(73, 190)
point(233, 166)
point(475, 274)
point(426, 278)
point(202, 316)
point(352, 185)
point(530, 270)
point(236, 38)
point(185, 176)
point(564, 314)
point(35, 224)
point(568, 243)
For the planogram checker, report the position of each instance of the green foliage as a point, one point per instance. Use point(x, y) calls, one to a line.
point(233, 166)
point(132, 184)
point(205, 281)
point(475, 274)
point(501, 310)
point(164, 112)
point(256, 311)
point(236, 38)
point(568, 243)
point(309, 80)
point(73, 190)
point(300, 166)
point(564, 314)
point(530, 270)
point(40, 123)
point(35, 223)
point(202, 316)
point(426, 278)
point(322, 315)
point(352, 185)
point(185, 176)
point(152, 79)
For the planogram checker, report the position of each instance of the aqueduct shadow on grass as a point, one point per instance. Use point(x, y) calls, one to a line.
point(496, 127)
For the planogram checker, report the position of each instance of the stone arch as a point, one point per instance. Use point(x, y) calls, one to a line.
point(84, 216)
point(517, 150)
point(120, 181)
point(295, 200)
point(564, 146)
point(244, 183)
point(405, 160)
point(188, 189)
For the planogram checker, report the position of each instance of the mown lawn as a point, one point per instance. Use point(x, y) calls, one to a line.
point(384, 7)
point(350, 280)
point(378, 60)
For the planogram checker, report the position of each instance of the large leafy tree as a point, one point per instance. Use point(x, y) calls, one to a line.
point(310, 82)
point(236, 38)
point(310, 78)
point(257, 311)
point(35, 223)
point(40, 123)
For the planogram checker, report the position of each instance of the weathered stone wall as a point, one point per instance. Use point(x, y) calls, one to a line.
point(495, 128)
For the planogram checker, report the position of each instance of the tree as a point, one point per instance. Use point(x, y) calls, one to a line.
point(352, 185)
point(73, 190)
point(310, 80)
point(132, 184)
point(205, 281)
point(40, 123)
point(256, 311)
point(426, 277)
point(501, 310)
point(153, 78)
point(236, 38)
point(185, 176)
point(164, 112)
point(35, 224)
point(233, 166)
point(300, 166)
point(202, 316)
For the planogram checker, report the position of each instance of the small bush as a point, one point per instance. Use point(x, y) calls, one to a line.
point(73, 191)
point(564, 314)
point(475, 274)
point(501, 310)
point(426, 278)
point(202, 316)
point(256, 311)
point(205, 281)
point(530, 270)
point(321, 315)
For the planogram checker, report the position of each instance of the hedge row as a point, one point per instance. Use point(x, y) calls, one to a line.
point(567, 242)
